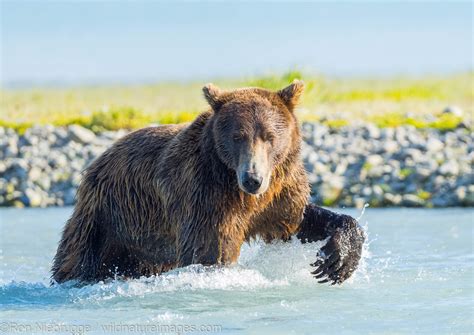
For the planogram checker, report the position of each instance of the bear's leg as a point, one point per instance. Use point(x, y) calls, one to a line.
point(153, 257)
point(89, 250)
point(283, 216)
point(220, 243)
point(80, 251)
point(230, 247)
point(339, 257)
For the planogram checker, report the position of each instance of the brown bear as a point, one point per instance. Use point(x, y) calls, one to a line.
point(174, 195)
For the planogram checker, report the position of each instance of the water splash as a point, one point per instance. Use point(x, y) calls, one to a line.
point(261, 266)
point(362, 212)
point(362, 271)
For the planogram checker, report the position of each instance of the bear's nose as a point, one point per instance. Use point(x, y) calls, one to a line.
point(251, 182)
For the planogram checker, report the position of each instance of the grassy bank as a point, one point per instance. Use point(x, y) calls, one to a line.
point(336, 102)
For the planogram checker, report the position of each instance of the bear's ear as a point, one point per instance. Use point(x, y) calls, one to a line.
point(291, 94)
point(212, 93)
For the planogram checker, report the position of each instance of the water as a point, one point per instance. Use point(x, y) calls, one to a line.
point(416, 277)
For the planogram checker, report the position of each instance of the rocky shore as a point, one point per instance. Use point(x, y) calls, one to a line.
point(347, 166)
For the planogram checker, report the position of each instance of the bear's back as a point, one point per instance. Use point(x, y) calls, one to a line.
point(130, 165)
point(119, 183)
point(135, 152)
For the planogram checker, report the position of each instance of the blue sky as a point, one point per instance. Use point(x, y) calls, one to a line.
point(143, 41)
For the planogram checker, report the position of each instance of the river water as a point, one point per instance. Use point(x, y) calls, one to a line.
point(416, 276)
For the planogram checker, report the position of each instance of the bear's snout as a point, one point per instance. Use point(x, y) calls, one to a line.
point(251, 182)
point(254, 168)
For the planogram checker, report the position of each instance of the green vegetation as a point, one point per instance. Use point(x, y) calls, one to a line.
point(367, 166)
point(406, 172)
point(441, 121)
point(424, 195)
point(334, 102)
point(336, 123)
point(329, 202)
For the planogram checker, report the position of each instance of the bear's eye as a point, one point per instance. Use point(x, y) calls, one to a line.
point(268, 137)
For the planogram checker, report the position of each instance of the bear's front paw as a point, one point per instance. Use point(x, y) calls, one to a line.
point(338, 259)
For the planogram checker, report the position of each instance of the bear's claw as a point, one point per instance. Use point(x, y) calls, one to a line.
point(338, 259)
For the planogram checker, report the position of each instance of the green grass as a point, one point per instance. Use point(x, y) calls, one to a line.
point(335, 102)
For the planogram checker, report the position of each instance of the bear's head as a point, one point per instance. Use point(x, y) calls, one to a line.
point(254, 130)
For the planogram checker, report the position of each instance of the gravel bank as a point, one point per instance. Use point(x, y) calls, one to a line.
point(348, 166)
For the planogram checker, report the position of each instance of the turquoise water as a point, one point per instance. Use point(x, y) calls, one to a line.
point(417, 276)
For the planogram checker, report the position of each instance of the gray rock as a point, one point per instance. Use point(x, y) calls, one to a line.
point(34, 174)
point(374, 160)
point(455, 110)
point(18, 169)
point(411, 200)
point(367, 191)
point(377, 191)
point(11, 149)
point(3, 167)
point(461, 193)
point(438, 181)
point(359, 202)
point(331, 190)
point(69, 197)
point(450, 168)
point(376, 171)
point(443, 200)
point(390, 146)
point(392, 199)
point(387, 133)
point(355, 189)
point(31, 198)
point(44, 183)
point(80, 134)
point(433, 144)
point(412, 153)
point(373, 131)
point(469, 200)
point(320, 168)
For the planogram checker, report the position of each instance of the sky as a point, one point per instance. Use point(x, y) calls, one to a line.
point(46, 42)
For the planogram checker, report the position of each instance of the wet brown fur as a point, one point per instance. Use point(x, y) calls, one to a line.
point(167, 196)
